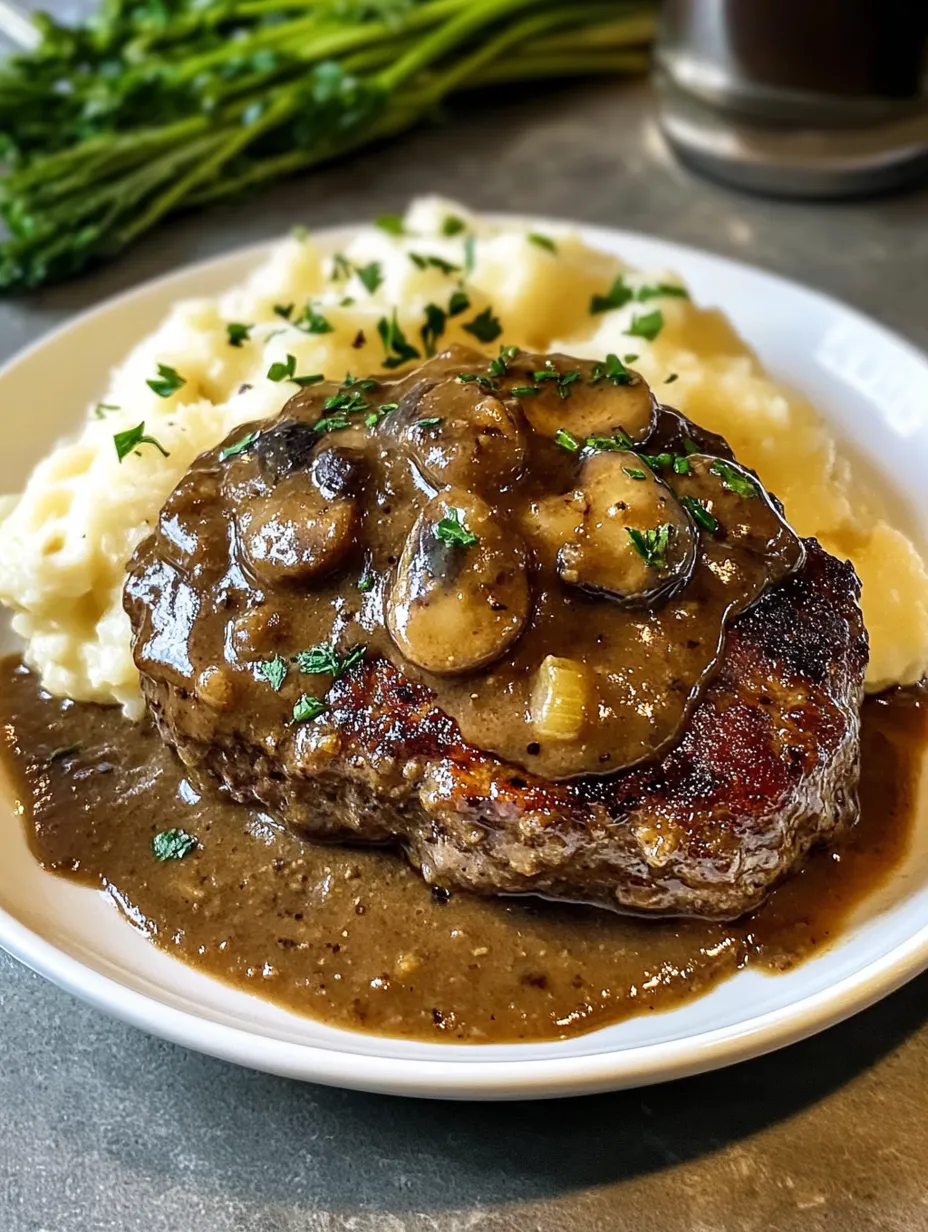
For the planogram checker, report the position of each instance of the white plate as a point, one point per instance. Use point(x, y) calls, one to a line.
point(869, 383)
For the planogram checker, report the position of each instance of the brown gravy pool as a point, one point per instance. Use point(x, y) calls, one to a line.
point(354, 938)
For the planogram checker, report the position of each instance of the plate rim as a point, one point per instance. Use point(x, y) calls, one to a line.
point(611, 1069)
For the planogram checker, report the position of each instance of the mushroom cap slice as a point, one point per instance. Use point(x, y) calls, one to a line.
point(622, 532)
point(460, 595)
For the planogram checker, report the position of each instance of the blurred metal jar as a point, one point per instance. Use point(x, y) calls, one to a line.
point(812, 98)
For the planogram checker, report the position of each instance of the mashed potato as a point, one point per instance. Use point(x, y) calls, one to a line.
point(66, 539)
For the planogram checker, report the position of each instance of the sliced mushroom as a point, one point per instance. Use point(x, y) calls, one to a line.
point(587, 404)
point(460, 597)
point(728, 500)
point(301, 530)
point(622, 532)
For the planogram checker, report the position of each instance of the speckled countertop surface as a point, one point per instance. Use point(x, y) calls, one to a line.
point(102, 1128)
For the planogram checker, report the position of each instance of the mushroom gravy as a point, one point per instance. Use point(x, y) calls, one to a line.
point(354, 937)
point(554, 554)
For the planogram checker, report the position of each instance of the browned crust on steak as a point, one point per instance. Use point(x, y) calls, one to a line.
point(767, 768)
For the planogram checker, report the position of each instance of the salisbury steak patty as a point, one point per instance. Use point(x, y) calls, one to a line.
point(658, 683)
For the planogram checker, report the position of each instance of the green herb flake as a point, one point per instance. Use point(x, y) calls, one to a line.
point(524, 391)
point(308, 708)
point(633, 473)
point(392, 224)
point(282, 372)
point(341, 267)
point(166, 383)
point(324, 660)
point(238, 333)
point(681, 465)
point(486, 383)
point(690, 447)
point(566, 441)
point(620, 442)
point(458, 303)
point(732, 479)
point(670, 380)
point(172, 845)
point(371, 275)
point(367, 581)
point(238, 446)
point(485, 327)
point(630, 359)
point(284, 310)
point(435, 321)
point(423, 261)
point(612, 370)
point(542, 241)
point(101, 409)
point(454, 532)
point(63, 751)
point(643, 294)
point(452, 225)
point(648, 325)
point(500, 365)
point(313, 379)
point(395, 344)
point(311, 321)
point(274, 671)
point(617, 296)
point(700, 514)
point(651, 545)
point(470, 254)
point(130, 440)
point(431, 422)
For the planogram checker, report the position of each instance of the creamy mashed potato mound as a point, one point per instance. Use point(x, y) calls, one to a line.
point(65, 541)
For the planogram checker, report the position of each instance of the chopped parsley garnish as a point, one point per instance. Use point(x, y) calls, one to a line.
point(284, 310)
point(375, 417)
point(282, 372)
point(621, 442)
point(324, 660)
point(670, 380)
point(681, 465)
point(392, 224)
point(612, 370)
point(331, 423)
point(341, 267)
point(648, 325)
point(424, 261)
point(617, 296)
point(564, 379)
point(651, 545)
point(173, 845)
point(371, 275)
point(452, 225)
point(662, 288)
point(542, 241)
point(238, 333)
point(485, 327)
point(166, 383)
point(274, 671)
point(308, 708)
point(102, 407)
point(629, 359)
point(470, 254)
point(566, 441)
point(657, 461)
point(395, 343)
point(486, 383)
point(459, 302)
point(313, 379)
point(366, 581)
point(452, 530)
point(238, 446)
point(435, 320)
point(700, 514)
point(733, 480)
point(524, 391)
point(500, 365)
point(690, 446)
point(349, 402)
point(431, 422)
point(63, 751)
point(633, 473)
point(312, 322)
point(130, 440)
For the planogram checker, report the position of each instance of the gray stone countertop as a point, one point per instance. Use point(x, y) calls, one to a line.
point(104, 1128)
